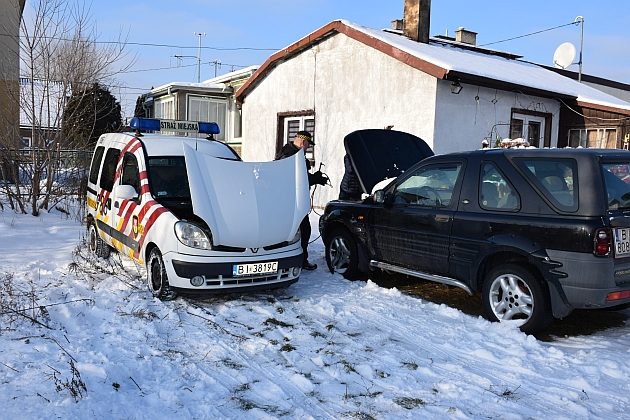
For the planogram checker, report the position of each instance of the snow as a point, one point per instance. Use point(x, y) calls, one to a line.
point(325, 347)
point(494, 67)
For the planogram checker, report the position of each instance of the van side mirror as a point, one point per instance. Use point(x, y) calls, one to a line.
point(379, 196)
point(126, 192)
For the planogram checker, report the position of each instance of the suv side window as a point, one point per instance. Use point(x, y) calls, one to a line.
point(130, 174)
point(109, 169)
point(555, 178)
point(495, 191)
point(429, 186)
point(96, 164)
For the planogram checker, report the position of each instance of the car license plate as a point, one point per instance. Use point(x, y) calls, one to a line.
point(254, 269)
point(622, 242)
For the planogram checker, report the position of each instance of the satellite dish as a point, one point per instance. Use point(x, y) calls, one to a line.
point(564, 55)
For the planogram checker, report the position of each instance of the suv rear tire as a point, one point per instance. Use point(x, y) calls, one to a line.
point(96, 245)
point(157, 279)
point(512, 292)
point(341, 254)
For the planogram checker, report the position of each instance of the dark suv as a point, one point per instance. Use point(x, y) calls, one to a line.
point(539, 232)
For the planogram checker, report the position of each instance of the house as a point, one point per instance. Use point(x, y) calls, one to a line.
point(41, 110)
point(211, 100)
point(10, 18)
point(344, 77)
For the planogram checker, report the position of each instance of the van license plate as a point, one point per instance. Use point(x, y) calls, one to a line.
point(254, 269)
point(622, 242)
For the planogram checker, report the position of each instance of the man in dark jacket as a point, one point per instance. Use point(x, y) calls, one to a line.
point(302, 140)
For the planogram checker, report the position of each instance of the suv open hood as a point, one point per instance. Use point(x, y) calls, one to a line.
point(378, 154)
point(248, 204)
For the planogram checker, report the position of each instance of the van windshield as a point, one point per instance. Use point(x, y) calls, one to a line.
point(168, 178)
point(617, 181)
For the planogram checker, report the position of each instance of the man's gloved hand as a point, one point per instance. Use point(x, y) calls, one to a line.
point(319, 178)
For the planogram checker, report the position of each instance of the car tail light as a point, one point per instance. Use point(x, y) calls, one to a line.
point(602, 242)
point(623, 294)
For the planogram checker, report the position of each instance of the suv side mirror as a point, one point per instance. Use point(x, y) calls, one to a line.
point(380, 196)
point(126, 192)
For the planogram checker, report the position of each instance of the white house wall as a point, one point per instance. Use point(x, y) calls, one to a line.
point(464, 120)
point(350, 86)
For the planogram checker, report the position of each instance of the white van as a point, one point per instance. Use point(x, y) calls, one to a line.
point(189, 208)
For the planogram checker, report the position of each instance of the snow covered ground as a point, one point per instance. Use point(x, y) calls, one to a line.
point(88, 341)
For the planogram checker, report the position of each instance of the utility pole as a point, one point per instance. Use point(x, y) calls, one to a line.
point(199, 34)
point(217, 64)
point(580, 20)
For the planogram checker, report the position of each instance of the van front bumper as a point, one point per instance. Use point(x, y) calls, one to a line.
point(218, 275)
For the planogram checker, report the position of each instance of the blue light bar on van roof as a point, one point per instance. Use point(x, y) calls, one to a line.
point(145, 124)
point(154, 124)
point(209, 128)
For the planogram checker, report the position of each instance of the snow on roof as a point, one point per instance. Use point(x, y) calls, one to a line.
point(189, 85)
point(236, 74)
point(494, 67)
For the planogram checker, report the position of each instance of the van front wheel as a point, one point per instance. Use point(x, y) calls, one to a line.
point(157, 279)
point(96, 245)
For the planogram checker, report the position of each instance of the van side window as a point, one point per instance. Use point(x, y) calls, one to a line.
point(495, 191)
point(130, 174)
point(96, 164)
point(109, 169)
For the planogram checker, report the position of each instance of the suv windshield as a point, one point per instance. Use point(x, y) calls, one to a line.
point(168, 178)
point(617, 181)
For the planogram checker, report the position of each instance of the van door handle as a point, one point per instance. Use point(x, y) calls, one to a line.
point(442, 218)
point(466, 201)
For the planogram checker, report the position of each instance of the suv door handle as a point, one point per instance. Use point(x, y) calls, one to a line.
point(466, 201)
point(442, 218)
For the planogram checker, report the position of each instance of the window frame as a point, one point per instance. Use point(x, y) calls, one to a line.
point(224, 125)
point(507, 181)
point(537, 183)
point(544, 118)
point(107, 181)
point(306, 121)
point(436, 165)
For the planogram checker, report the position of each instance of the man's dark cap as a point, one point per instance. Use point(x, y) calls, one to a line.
point(305, 135)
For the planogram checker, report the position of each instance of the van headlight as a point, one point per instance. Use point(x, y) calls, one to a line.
point(192, 235)
point(296, 238)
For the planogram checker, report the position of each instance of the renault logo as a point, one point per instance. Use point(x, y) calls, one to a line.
point(254, 250)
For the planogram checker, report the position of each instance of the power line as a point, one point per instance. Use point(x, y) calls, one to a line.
point(148, 44)
point(530, 34)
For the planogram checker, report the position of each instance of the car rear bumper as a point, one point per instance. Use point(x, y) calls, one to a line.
point(589, 280)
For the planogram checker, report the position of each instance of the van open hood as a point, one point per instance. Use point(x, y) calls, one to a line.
point(248, 204)
point(378, 154)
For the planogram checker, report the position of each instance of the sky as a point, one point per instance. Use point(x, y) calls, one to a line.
point(241, 33)
point(93, 343)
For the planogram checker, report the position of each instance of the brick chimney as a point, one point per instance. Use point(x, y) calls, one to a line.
point(417, 18)
point(465, 36)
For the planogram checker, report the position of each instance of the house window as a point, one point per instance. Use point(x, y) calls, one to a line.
point(203, 108)
point(164, 108)
point(26, 143)
point(530, 127)
point(605, 138)
point(293, 124)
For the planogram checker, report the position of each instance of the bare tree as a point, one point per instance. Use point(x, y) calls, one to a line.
point(59, 55)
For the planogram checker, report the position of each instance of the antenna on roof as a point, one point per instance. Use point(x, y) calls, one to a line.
point(564, 55)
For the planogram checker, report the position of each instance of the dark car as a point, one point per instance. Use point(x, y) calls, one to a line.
point(539, 232)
